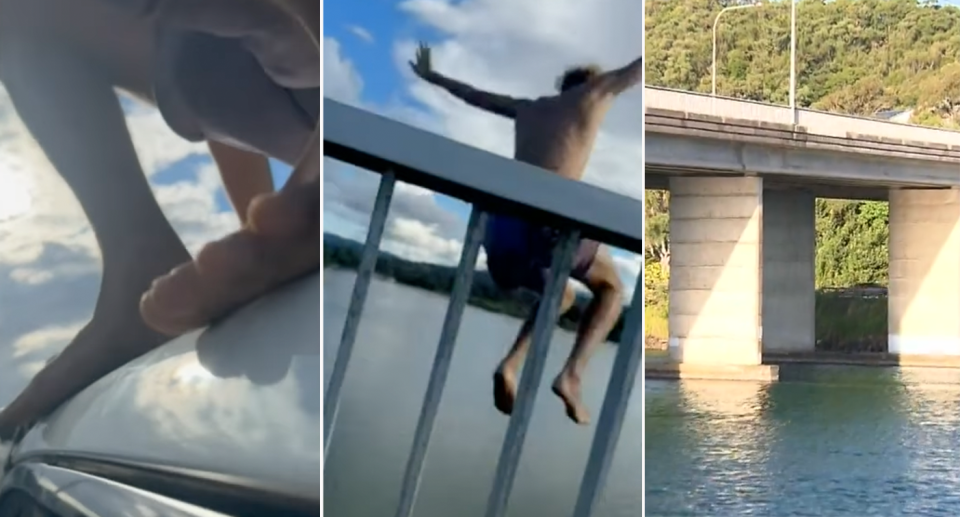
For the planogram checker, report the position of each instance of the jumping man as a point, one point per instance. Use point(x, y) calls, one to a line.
point(556, 133)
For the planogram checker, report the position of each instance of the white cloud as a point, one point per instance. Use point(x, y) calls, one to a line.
point(417, 227)
point(340, 79)
point(629, 269)
point(191, 208)
point(418, 241)
point(361, 33)
point(31, 276)
point(34, 349)
point(46, 341)
point(157, 146)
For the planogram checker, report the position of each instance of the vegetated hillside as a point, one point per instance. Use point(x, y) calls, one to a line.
point(853, 56)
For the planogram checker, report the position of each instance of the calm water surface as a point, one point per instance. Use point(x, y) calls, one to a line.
point(827, 441)
point(381, 403)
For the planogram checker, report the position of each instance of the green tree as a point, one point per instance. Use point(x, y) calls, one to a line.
point(656, 233)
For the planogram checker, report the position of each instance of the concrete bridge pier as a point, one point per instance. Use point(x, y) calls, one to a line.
point(741, 273)
point(924, 291)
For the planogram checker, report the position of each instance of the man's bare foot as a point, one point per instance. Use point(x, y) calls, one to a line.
point(567, 387)
point(504, 389)
point(114, 336)
point(242, 266)
point(99, 348)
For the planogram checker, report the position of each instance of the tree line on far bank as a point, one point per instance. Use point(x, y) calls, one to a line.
point(339, 252)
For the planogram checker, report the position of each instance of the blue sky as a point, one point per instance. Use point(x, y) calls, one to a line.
point(491, 45)
point(348, 22)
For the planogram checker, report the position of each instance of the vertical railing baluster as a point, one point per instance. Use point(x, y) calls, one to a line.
point(622, 379)
point(368, 260)
point(441, 362)
point(533, 368)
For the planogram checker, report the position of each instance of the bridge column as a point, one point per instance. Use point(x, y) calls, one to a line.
point(924, 292)
point(715, 236)
point(788, 297)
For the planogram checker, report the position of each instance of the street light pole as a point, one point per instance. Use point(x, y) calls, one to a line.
point(793, 59)
point(716, 20)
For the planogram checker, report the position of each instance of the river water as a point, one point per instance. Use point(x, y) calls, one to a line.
point(381, 403)
point(826, 441)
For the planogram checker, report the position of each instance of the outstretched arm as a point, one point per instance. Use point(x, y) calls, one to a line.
point(502, 105)
point(617, 81)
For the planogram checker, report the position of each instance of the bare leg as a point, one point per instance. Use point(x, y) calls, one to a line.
point(282, 238)
point(281, 243)
point(234, 270)
point(245, 176)
point(599, 319)
point(75, 116)
point(505, 378)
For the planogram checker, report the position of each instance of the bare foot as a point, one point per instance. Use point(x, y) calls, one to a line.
point(114, 336)
point(504, 389)
point(242, 266)
point(567, 387)
point(99, 348)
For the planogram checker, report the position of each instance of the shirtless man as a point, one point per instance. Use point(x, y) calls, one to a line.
point(214, 70)
point(556, 133)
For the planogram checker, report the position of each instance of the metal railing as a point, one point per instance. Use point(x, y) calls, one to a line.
point(398, 151)
point(816, 121)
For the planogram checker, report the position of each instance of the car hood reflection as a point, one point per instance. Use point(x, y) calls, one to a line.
point(240, 398)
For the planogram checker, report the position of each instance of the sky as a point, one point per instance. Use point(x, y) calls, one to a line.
point(49, 260)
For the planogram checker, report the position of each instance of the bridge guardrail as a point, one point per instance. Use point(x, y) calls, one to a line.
point(689, 124)
point(401, 152)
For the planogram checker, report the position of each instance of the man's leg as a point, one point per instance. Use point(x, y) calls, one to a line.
point(598, 320)
point(76, 117)
point(505, 378)
point(245, 176)
point(282, 240)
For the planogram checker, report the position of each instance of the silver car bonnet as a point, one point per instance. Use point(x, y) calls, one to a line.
point(240, 399)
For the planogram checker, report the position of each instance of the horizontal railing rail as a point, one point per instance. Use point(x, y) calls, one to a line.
point(488, 182)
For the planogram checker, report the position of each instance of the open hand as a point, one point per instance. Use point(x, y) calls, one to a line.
point(422, 66)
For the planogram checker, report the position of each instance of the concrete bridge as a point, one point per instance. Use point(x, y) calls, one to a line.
point(743, 177)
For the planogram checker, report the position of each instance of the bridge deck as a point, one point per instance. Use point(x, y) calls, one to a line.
point(760, 132)
point(836, 155)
